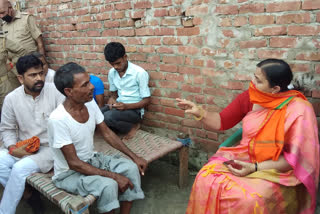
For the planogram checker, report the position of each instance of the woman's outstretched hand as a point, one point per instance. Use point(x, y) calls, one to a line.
point(189, 107)
point(244, 168)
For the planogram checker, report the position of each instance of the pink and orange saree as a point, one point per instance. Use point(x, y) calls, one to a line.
point(217, 191)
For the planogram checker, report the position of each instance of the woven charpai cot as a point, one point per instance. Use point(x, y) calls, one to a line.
point(149, 146)
point(144, 144)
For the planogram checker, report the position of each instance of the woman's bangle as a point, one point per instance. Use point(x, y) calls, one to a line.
point(201, 114)
point(256, 166)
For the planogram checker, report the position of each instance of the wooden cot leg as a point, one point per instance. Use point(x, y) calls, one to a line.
point(183, 168)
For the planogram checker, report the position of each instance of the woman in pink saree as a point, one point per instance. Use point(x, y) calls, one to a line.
point(275, 168)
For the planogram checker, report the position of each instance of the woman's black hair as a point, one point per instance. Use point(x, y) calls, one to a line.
point(278, 73)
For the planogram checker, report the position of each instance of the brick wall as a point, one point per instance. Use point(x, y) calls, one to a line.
point(200, 50)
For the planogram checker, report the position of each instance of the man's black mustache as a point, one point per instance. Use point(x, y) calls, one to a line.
point(39, 82)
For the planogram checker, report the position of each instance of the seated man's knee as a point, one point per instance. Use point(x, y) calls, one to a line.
point(131, 169)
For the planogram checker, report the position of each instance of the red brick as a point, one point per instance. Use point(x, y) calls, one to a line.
point(316, 93)
point(144, 32)
point(167, 102)
point(214, 91)
point(126, 32)
point(187, 50)
point(111, 24)
point(174, 77)
point(93, 33)
point(148, 66)
point(197, 10)
point(138, 14)
point(107, 8)
point(172, 41)
point(143, 4)
point(174, 111)
point(302, 30)
point(191, 89)
point(200, 98)
point(228, 33)
point(200, 133)
point(175, 11)
point(118, 15)
point(168, 68)
point(146, 49)
point(165, 50)
point(312, 56)
point(167, 84)
point(197, 41)
point(318, 17)
point(188, 31)
point(156, 75)
point(294, 18)
point(225, 22)
point(89, 56)
point(233, 85)
point(191, 123)
point(317, 69)
point(173, 59)
point(316, 107)
point(252, 8)
point(81, 12)
point(94, 10)
point(163, 3)
point(110, 33)
point(198, 62)
point(261, 20)
point(123, 6)
point(300, 67)
point(283, 6)
point(212, 135)
point(138, 57)
point(271, 31)
point(253, 44)
point(153, 59)
point(227, 9)
point(188, 70)
point(160, 13)
point(240, 21)
point(127, 23)
point(311, 5)
point(164, 31)
point(264, 54)
point(283, 42)
point(153, 41)
point(171, 21)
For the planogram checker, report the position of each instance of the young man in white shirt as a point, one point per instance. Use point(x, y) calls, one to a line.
point(130, 93)
point(24, 114)
point(77, 168)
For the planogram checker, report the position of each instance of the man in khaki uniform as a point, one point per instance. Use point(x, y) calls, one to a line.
point(7, 46)
point(22, 29)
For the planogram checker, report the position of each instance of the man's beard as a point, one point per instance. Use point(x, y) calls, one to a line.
point(7, 18)
point(35, 88)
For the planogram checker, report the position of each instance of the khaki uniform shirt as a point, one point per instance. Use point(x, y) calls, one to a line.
point(6, 83)
point(24, 31)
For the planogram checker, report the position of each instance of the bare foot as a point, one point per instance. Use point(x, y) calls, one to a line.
point(132, 132)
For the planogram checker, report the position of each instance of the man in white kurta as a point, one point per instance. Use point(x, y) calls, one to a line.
point(24, 114)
